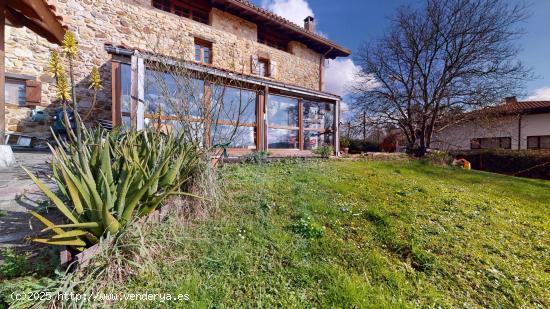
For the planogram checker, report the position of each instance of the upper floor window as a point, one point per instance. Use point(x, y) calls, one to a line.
point(272, 40)
point(203, 51)
point(15, 91)
point(263, 67)
point(195, 10)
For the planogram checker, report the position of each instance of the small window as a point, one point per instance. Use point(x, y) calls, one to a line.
point(203, 51)
point(15, 91)
point(538, 142)
point(491, 143)
point(263, 68)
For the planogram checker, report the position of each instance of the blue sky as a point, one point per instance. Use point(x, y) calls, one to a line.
point(352, 22)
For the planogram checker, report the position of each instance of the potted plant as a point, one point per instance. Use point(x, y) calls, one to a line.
point(344, 145)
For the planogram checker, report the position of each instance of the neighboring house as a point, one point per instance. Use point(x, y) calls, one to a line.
point(279, 64)
point(511, 125)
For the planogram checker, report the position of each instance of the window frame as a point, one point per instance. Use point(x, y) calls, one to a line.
point(267, 67)
point(196, 12)
point(203, 45)
point(538, 139)
point(476, 143)
point(18, 81)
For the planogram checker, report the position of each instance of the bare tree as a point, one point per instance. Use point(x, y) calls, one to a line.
point(439, 61)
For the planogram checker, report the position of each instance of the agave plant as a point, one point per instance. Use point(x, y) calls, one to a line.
point(111, 179)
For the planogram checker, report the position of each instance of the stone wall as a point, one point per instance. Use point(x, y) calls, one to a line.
point(136, 24)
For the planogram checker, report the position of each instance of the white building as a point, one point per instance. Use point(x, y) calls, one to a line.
point(512, 125)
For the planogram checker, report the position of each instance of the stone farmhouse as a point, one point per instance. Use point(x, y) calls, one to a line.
point(516, 125)
point(279, 64)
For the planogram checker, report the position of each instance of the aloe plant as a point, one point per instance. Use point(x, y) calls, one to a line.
point(110, 179)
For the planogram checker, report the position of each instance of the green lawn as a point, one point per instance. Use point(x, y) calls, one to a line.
point(359, 234)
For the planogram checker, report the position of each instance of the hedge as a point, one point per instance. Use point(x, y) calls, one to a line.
point(522, 163)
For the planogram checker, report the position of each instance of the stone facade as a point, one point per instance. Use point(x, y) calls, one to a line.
point(136, 24)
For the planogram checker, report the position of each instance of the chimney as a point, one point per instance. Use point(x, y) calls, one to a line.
point(309, 24)
point(511, 100)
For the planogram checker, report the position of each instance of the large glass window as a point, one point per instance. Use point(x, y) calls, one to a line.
point(170, 95)
point(318, 115)
point(234, 105)
point(282, 117)
point(282, 111)
point(314, 140)
point(236, 136)
point(283, 138)
point(234, 114)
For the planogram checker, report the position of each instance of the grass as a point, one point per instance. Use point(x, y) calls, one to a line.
point(358, 234)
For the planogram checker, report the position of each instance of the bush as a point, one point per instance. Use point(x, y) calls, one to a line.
point(258, 157)
point(324, 151)
point(389, 144)
point(345, 143)
point(438, 157)
point(523, 163)
point(359, 146)
point(110, 178)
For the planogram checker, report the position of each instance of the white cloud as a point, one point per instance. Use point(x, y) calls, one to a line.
point(340, 74)
point(294, 10)
point(540, 94)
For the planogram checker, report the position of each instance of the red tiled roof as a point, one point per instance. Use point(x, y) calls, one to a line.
point(332, 49)
point(521, 107)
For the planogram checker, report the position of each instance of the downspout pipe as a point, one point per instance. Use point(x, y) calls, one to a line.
point(519, 130)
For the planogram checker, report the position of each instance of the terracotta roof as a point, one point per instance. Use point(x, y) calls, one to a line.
point(250, 11)
point(521, 107)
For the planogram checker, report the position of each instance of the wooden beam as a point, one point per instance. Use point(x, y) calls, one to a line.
point(38, 16)
point(301, 124)
point(2, 73)
point(116, 89)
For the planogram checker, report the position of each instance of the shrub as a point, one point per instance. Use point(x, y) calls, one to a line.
point(523, 163)
point(389, 144)
point(359, 146)
point(110, 178)
point(438, 157)
point(345, 142)
point(324, 151)
point(258, 157)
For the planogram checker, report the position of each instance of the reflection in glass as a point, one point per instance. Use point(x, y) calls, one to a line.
point(282, 139)
point(233, 104)
point(282, 111)
point(241, 137)
point(314, 140)
point(172, 95)
point(318, 115)
point(126, 87)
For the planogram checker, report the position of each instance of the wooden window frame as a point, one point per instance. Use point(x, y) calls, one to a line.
point(477, 141)
point(203, 44)
point(197, 12)
point(33, 90)
point(273, 41)
point(267, 63)
point(538, 138)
